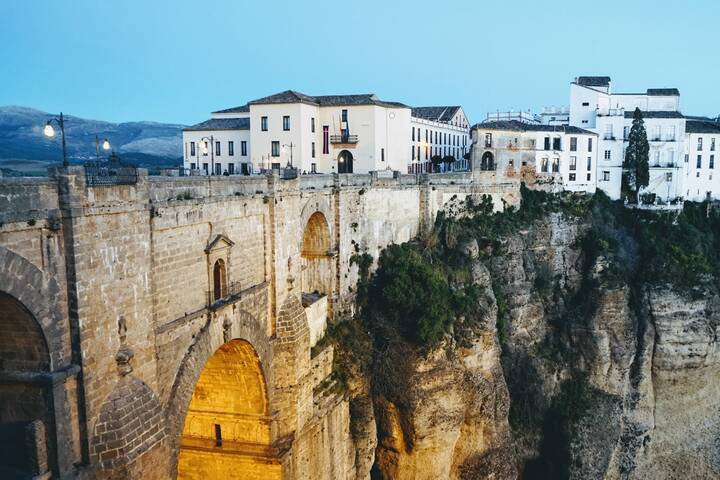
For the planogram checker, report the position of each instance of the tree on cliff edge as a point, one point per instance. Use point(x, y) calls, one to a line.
point(636, 173)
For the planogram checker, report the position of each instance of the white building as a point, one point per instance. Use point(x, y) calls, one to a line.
point(702, 144)
point(595, 107)
point(562, 155)
point(438, 131)
point(220, 145)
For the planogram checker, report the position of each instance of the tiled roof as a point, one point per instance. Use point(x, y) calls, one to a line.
point(221, 124)
point(517, 126)
point(701, 126)
point(291, 96)
point(241, 109)
point(663, 92)
point(438, 114)
point(593, 81)
point(656, 114)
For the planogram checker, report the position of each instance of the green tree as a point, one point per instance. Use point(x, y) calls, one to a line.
point(636, 172)
point(436, 161)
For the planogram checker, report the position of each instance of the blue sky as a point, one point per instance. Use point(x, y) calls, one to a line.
point(176, 60)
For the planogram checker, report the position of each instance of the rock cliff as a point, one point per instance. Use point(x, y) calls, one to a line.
point(570, 370)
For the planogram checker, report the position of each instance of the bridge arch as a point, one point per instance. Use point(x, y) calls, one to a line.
point(34, 346)
point(317, 255)
point(238, 350)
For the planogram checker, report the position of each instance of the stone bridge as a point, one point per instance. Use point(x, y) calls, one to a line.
point(163, 329)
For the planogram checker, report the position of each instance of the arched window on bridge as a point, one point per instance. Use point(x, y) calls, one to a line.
point(219, 280)
point(487, 162)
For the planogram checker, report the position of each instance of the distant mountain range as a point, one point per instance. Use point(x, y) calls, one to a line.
point(25, 150)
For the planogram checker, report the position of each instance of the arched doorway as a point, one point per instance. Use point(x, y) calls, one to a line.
point(487, 162)
point(219, 282)
point(317, 272)
point(227, 427)
point(345, 162)
point(23, 355)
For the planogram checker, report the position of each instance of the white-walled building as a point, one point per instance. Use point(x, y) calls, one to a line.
point(438, 131)
point(595, 107)
point(564, 155)
point(330, 133)
point(702, 145)
point(219, 145)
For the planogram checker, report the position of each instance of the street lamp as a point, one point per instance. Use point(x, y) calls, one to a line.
point(291, 152)
point(49, 132)
point(211, 139)
point(105, 146)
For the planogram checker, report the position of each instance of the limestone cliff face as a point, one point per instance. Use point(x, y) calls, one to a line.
point(588, 377)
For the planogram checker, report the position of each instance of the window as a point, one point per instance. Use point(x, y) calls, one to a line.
point(488, 140)
point(426, 152)
point(192, 166)
point(573, 163)
point(275, 166)
point(544, 165)
point(418, 152)
point(547, 143)
point(275, 149)
point(657, 157)
point(699, 162)
point(413, 133)
point(412, 148)
point(668, 176)
point(344, 116)
point(712, 144)
point(263, 124)
point(607, 154)
point(219, 280)
point(312, 125)
point(382, 154)
point(606, 176)
point(699, 145)
point(671, 157)
point(584, 121)
point(217, 149)
point(712, 161)
point(243, 148)
point(572, 177)
point(313, 167)
point(231, 168)
point(205, 167)
point(556, 165)
point(589, 163)
point(286, 123)
point(326, 135)
point(687, 157)
point(436, 137)
point(573, 144)
point(192, 149)
point(312, 150)
point(426, 135)
point(671, 133)
point(626, 131)
point(588, 177)
point(589, 144)
point(585, 104)
point(231, 148)
point(218, 169)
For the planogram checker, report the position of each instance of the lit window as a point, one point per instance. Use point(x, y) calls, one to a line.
point(573, 163)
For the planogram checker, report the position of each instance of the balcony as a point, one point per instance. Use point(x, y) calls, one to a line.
point(610, 112)
point(343, 139)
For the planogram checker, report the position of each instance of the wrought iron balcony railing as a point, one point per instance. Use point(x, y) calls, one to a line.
point(343, 139)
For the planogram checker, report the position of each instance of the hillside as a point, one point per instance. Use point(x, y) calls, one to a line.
point(24, 149)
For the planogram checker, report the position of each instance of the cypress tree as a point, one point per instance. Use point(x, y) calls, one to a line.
point(636, 164)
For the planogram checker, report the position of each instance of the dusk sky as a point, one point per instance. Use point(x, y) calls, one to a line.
point(177, 60)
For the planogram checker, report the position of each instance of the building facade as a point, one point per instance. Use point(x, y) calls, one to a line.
point(438, 132)
point(701, 181)
point(562, 156)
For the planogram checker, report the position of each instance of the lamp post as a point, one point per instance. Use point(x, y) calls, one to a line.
point(49, 132)
point(212, 152)
point(291, 152)
point(105, 146)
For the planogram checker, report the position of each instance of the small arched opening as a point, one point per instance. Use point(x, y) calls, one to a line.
point(345, 162)
point(219, 280)
point(24, 398)
point(487, 162)
point(226, 433)
point(317, 271)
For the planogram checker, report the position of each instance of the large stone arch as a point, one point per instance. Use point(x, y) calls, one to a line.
point(317, 250)
point(318, 203)
point(40, 294)
point(219, 329)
